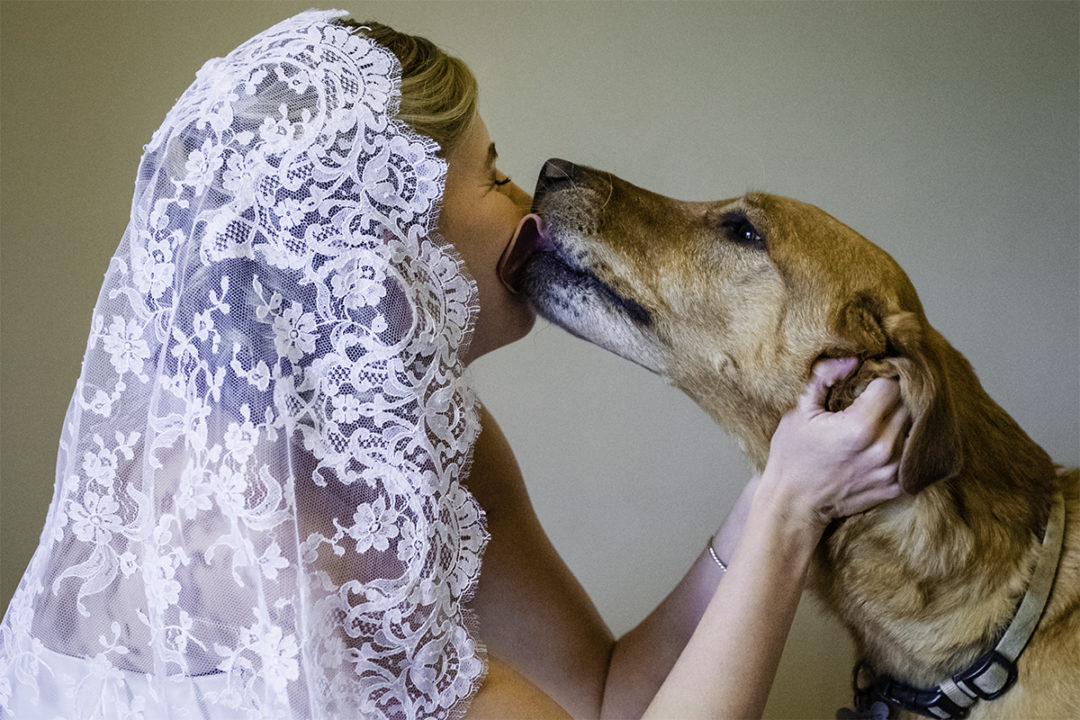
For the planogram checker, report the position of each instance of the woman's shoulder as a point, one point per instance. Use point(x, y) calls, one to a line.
point(495, 479)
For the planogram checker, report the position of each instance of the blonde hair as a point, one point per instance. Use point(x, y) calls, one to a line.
point(438, 91)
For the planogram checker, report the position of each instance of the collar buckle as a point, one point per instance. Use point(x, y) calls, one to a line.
point(929, 703)
point(988, 677)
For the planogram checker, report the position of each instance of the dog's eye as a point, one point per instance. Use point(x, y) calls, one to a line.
point(739, 229)
point(747, 233)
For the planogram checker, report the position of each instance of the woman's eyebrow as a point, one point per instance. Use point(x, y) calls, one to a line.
point(492, 154)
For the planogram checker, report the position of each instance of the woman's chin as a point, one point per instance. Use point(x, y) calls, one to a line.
point(514, 326)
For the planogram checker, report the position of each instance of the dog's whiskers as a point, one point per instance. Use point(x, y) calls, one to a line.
point(610, 190)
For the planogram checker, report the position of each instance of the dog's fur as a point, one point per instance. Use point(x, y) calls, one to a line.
point(734, 301)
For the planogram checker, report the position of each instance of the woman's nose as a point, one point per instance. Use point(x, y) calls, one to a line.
point(521, 198)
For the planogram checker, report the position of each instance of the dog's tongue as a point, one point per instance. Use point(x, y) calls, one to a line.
point(526, 239)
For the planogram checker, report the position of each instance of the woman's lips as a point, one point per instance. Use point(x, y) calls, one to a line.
point(527, 238)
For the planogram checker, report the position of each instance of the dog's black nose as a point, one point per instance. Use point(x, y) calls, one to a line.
point(557, 169)
point(555, 173)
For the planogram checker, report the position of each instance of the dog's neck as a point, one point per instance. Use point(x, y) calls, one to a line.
point(963, 547)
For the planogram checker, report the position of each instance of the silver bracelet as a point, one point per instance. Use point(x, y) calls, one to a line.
point(712, 553)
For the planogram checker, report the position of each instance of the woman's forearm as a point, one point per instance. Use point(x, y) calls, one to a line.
point(642, 659)
point(727, 667)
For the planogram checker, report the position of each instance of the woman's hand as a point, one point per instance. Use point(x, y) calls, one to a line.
point(824, 465)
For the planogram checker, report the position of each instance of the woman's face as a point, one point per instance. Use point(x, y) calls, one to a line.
point(481, 209)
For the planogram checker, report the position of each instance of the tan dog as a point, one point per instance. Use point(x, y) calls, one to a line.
point(734, 301)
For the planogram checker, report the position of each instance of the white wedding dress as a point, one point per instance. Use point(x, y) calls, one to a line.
point(258, 508)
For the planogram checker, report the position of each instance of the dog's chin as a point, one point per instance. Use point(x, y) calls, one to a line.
point(580, 303)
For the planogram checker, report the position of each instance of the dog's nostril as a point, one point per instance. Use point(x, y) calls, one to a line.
point(557, 169)
point(556, 172)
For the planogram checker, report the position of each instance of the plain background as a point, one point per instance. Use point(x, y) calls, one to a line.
point(945, 132)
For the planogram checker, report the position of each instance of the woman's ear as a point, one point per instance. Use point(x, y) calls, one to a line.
point(899, 344)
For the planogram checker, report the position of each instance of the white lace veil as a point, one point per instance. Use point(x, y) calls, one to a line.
point(258, 495)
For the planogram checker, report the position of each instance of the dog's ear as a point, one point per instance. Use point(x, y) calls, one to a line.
point(933, 450)
point(897, 344)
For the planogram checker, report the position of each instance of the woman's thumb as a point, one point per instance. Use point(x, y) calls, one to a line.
point(824, 375)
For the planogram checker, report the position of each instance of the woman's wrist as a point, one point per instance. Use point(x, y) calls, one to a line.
point(778, 500)
point(726, 538)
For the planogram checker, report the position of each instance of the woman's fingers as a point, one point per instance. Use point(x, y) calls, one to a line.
point(879, 397)
point(872, 494)
point(824, 375)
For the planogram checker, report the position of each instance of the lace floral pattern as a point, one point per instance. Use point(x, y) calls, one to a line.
point(258, 498)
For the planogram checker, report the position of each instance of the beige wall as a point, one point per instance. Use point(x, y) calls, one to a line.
point(945, 132)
